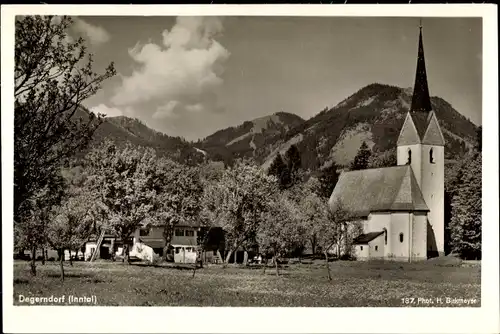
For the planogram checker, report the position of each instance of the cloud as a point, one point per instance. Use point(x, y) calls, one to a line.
point(94, 34)
point(167, 111)
point(180, 75)
point(111, 111)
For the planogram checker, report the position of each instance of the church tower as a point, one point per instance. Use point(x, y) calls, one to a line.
point(421, 145)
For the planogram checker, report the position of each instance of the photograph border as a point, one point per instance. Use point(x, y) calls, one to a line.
point(61, 319)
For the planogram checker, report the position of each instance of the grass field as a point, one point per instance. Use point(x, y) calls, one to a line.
point(353, 284)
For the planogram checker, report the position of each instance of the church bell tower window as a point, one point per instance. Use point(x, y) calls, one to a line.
point(401, 237)
point(431, 156)
point(409, 157)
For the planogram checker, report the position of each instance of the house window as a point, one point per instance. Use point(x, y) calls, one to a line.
point(189, 233)
point(143, 232)
point(179, 232)
point(400, 237)
point(376, 248)
point(385, 235)
point(361, 247)
point(431, 156)
point(409, 157)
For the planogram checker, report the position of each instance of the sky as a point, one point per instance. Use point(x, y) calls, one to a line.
point(192, 76)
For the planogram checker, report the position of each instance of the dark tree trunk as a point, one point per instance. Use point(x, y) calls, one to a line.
point(43, 256)
point(33, 259)
point(219, 256)
point(127, 254)
point(112, 248)
point(327, 266)
point(70, 258)
point(61, 263)
point(228, 256)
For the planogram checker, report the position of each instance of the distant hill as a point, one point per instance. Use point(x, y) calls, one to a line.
point(122, 129)
point(250, 138)
point(374, 114)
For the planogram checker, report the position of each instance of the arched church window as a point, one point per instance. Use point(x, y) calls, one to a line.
point(409, 157)
point(400, 237)
point(385, 235)
point(431, 156)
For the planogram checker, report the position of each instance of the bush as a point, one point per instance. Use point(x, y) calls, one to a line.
point(156, 259)
point(347, 257)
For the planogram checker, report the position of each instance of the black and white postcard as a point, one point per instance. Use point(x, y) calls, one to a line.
point(250, 168)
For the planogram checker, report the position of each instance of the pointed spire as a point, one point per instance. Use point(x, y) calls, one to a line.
point(421, 101)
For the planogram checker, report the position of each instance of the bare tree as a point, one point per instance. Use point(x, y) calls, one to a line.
point(52, 77)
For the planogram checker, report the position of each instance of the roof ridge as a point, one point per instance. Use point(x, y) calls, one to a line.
point(409, 132)
point(433, 119)
point(401, 183)
point(373, 168)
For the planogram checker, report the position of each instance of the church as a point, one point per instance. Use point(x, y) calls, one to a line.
point(401, 208)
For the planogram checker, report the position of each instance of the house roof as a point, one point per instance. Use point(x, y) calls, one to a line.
point(364, 239)
point(182, 223)
point(379, 189)
point(153, 243)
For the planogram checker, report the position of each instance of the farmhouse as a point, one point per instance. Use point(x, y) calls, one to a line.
point(402, 207)
point(145, 243)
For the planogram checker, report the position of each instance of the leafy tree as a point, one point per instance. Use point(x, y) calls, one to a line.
point(281, 231)
point(328, 178)
point(70, 226)
point(383, 159)
point(280, 170)
point(179, 189)
point(479, 138)
point(294, 164)
point(362, 157)
point(123, 180)
point(32, 233)
point(466, 220)
point(52, 77)
point(237, 202)
point(330, 230)
point(314, 212)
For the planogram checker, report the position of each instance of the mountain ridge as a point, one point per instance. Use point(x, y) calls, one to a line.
point(374, 114)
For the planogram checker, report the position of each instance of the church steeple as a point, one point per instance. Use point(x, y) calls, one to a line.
point(421, 101)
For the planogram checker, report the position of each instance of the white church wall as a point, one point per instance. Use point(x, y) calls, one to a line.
point(399, 225)
point(377, 222)
point(419, 236)
point(361, 252)
point(416, 158)
point(432, 187)
point(376, 247)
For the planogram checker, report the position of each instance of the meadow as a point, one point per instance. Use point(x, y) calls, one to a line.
point(353, 284)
